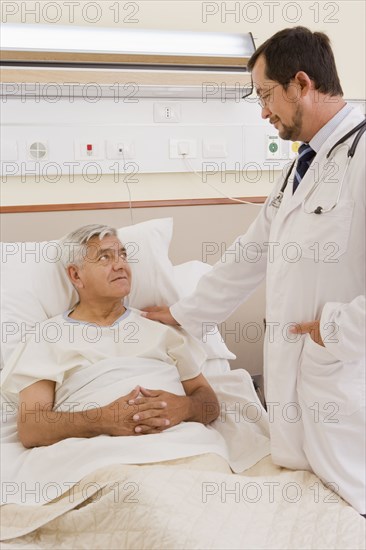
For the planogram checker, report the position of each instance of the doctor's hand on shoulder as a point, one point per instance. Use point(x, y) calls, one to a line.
point(311, 327)
point(159, 313)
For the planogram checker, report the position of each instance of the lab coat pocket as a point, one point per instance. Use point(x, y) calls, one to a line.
point(324, 237)
point(327, 386)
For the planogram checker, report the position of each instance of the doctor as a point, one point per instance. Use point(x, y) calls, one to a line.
point(314, 264)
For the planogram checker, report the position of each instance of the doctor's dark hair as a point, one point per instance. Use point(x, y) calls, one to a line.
point(298, 49)
point(74, 245)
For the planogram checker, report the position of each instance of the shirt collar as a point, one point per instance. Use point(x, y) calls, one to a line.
point(323, 134)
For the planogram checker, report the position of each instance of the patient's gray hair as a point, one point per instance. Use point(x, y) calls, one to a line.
point(74, 245)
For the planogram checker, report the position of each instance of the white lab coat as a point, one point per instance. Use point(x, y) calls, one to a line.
point(315, 269)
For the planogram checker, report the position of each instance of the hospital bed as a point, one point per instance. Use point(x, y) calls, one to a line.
point(193, 503)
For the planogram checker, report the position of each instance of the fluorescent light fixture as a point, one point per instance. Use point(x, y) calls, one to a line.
point(157, 63)
point(134, 42)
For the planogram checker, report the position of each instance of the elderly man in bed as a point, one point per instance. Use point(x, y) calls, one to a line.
point(70, 374)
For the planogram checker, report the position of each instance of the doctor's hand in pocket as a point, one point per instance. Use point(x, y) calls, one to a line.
point(312, 328)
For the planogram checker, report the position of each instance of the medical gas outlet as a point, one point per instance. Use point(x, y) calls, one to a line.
point(279, 149)
point(273, 149)
point(294, 148)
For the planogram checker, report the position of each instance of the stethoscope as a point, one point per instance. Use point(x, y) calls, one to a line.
point(360, 129)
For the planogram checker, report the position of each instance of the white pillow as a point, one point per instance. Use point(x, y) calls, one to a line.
point(35, 287)
point(147, 245)
point(186, 277)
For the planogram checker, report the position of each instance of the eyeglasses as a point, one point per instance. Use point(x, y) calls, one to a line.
point(263, 100)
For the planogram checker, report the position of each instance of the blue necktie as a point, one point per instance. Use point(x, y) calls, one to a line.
point(306, 155)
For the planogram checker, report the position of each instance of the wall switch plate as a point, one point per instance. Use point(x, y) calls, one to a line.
point(214, 149)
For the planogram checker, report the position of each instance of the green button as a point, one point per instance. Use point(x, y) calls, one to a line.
point(273, 147)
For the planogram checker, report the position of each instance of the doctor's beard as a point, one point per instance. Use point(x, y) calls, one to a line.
point(292, 132)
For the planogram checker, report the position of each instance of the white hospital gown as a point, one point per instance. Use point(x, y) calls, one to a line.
point(60, 345)
point(92, 366)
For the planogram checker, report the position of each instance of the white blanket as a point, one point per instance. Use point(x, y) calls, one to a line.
point(37, 476)
point(189, 504)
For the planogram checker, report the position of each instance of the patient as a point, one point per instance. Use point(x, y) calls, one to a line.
point(94, 370)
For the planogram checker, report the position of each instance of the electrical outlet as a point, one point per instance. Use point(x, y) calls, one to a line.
point(167, 112)
point(182, 148)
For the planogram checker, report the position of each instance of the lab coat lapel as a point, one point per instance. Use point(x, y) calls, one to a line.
point(307, 183)
point(291, 201)
point(314, 174)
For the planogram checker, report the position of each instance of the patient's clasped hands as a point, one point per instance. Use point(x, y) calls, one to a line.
point(158, 410)
point(145, 411)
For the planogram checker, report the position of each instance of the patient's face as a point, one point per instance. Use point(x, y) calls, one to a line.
point(105, 272)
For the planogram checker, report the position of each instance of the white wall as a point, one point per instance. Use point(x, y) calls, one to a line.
point(344, 21)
